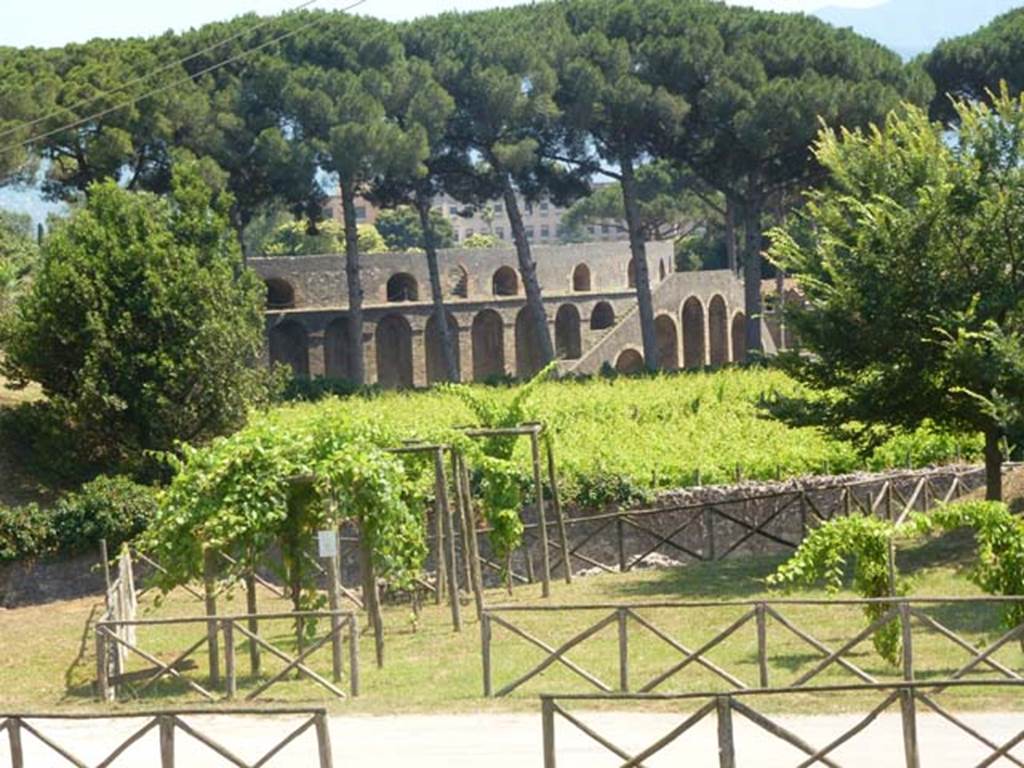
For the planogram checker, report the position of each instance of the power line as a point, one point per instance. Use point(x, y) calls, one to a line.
point(190, 78)
point(155, 72)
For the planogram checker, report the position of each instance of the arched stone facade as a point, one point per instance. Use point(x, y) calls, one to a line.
point(488, 336)
point(718, 332)
point(667, 335)
point(581, 279)
point(629, 361)
point(435, 353)
point(568, 339)
point(289, 345)
point(394, 352)
point(505, 282)
point(739, 337)
point(694, 350)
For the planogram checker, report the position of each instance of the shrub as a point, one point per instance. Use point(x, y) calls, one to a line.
point(111, 508)
point(24, 532)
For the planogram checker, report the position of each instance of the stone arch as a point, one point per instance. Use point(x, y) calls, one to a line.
point(488, 333)
point(394, 352)
point(602, 316)
point(581, 278)
point(568, 342)
point(280, 293)
point(629, 361)
point(528, 357)
point(458, 282)
point(693, 333)
point(289, 345)
point(718, 331)
point(402, 287)
point(631, 274)
point(667, 336)
point(739, 337)
point(505, 282)
point(435, 354)
point(337, 349)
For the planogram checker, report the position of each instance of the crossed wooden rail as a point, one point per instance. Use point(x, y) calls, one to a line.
point(110, 635)
point(907, 695)
point(908, 612)
point(711, 531)
point(167, 724)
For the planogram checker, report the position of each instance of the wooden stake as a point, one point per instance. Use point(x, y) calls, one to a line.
point(473, 553)
point(547, 708)
point(166, 741)
point(441, 488)
point(538, 484)
point(371, 599)
point(334, 601)
point(623, 618)
point(323, 740)
point(210, 599)
point(726, 747)
point(559, 515)
point(252, 608)
point(229, 659)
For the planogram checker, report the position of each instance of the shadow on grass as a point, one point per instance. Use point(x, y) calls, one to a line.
point(734, 579)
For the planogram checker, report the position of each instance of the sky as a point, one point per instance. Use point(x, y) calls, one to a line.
point(56, 22)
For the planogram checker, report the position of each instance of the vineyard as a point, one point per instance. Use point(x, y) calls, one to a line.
point(623, 439)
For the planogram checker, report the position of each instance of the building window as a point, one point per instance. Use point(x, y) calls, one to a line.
point(545, 232)
point(544, 208)
point(529, 233)
point(455, 235)
point(360, 212)
point(499, 207)
point(605, 229)
point(453, 210)
point(469, 233)
point(500, 232)
point(592, 230)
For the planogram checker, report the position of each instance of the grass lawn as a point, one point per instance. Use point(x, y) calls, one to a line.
point(47, 662)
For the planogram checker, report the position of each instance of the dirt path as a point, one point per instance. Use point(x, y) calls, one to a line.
point(514, 741)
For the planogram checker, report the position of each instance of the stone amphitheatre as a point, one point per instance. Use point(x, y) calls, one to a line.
point(589, 294)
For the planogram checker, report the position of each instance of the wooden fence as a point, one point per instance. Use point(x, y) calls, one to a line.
point(626, 539)
point(759, 616)
point(110, 635)
point(905, 696)
point(168, 724)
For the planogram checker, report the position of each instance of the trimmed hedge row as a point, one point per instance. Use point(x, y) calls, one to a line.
point(112, 508)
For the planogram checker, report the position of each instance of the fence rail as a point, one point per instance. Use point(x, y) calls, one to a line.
point(909, 613)
point(21, 727)
point(111, 636)
point(906, 696)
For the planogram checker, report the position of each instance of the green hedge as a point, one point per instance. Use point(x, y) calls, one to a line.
point(112, 508)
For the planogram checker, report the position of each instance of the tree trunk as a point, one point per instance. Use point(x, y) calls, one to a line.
point(638, 250)
point(371, 599)
point(752, 273)
point(528, 270)
point(730, 235)
point(993, 464)
point(353, 278)
point(451, 365)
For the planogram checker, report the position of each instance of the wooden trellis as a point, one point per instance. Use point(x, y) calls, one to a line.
point(21, 727)
point(905, 696)
point(757, 615)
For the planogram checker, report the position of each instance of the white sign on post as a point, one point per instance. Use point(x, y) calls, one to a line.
point(327, 543)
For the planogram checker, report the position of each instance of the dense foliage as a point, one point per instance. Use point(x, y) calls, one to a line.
point(912, 274)
point(140, 325)
point(622, 439)
point(18, 255)
point(111, 508)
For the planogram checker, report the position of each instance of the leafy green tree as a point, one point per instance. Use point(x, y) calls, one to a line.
point(480, 240)
point(401, 229)
point(336, 95)
point(913, 278)
point(759, 85)
point(18, 255)
point(294, 239)
point(617, 116)
point(28, 87)
point(971, 66)
point(140, 325)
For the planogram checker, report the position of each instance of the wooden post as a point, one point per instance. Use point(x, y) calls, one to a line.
point(323, 740)
point(847, 501)
point(726, 747)
point(538, 485)
point(14, 739)
point(559, 514)
point(103, 691)
point(803, 514)
point(105, 560)
point(353, 655)
point(623, 617)
point(439, 559)
point(709, 534)
point(473, 545)
point(166, 724)
point(888, 500)
point(441, 487)
point(210, 598)
point(229, 659)
point(485, 652)
point(907, 637)
point(891, 566)
point(621, 527)
point(334, 601)
point(908, 714)
point(461, 502)
point(371, 600)
point(528, 557)
point(252, 609)
point(761, 616)
point(547, 709)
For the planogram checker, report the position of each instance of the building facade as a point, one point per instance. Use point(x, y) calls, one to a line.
point(589, 294)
